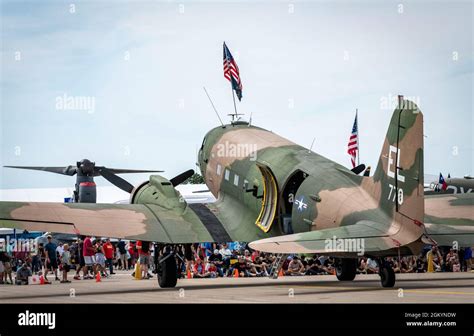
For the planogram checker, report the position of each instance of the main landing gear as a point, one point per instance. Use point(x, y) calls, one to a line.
point(346, 269)
point(387, 275)
point(166, 268)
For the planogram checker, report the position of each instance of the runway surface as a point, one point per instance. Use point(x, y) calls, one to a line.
point(122, 288)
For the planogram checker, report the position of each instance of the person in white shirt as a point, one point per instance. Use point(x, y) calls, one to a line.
point(60, 249)
point(225, 251)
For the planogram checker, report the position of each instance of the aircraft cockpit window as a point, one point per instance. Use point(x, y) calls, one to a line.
point(227, 174)
point(236, 180)
point(219, 170)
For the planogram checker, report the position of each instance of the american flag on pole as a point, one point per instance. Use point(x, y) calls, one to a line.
point(231, 72)
point(353, 145)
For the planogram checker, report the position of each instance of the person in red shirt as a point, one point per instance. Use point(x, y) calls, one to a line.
point(143, 248)
point(109, 255)
point(199, 269)
point(88, 252)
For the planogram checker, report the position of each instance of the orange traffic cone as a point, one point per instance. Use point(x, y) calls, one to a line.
point(280, 274)
point(189, 276)
point(97, 277)
point(236, 273)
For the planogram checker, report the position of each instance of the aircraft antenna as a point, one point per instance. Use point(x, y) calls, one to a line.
point(215, 110)
point(250, 120)
point(311, 147)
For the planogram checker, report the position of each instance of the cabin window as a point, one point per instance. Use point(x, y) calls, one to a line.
point(219, 170)
point(236, 180)
point(246, 184)
point(227, 174)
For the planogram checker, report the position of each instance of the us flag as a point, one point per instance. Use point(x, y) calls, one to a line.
point(231, 72)
point(353, 145)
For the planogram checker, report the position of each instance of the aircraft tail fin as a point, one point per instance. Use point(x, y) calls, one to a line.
point(398, 178)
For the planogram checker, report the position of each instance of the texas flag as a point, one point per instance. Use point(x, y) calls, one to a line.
point(442, 182)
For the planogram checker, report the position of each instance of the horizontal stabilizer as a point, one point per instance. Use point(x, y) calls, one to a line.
point(360, 238)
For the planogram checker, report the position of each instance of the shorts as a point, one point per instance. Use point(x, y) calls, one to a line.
point(100, 259)
point(66, 267)
point(53, 263)
point(89, 260)
point(2, 268)
point(144, 259)
point(81, 261)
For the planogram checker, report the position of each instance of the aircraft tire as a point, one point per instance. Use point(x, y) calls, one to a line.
point(346, 269)
point(167, 272)
point(387, 277)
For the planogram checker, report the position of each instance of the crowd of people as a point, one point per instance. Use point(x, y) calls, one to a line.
point(87, 257)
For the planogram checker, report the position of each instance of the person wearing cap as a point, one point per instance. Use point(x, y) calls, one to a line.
point(216, 259)
point(51, 258)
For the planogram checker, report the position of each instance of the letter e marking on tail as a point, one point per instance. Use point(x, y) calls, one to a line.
point(390, 172)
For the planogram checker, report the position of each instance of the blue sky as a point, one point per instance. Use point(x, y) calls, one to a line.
point(305, 67)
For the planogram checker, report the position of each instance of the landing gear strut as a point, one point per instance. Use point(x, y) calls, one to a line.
point(346, 269)
point(387, 275)
point(166, 269)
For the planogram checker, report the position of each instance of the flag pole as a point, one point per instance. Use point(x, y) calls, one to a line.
point(233, 97)
point(358, 145)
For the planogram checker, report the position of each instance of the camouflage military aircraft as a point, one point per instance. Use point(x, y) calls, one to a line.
point(455, 185)
point(282, 198)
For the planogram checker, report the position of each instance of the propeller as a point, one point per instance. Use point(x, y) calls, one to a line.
point(86, 169)
point(178, 179)
point(358, 169)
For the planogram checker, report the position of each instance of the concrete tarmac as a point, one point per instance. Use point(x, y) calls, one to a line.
point(122, 288)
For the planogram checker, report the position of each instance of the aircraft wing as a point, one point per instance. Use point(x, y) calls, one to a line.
point(448, 235)
point(449, 218)
point(372, 235)
point(128, 221)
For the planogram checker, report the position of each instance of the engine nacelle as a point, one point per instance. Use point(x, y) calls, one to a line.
point(160, 191)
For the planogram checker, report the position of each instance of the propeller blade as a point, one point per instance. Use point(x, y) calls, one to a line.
point(115, 180)
point(200, 191)
point(178, 179)
point(131, 171)
point(69, 170)
point(358, 169)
